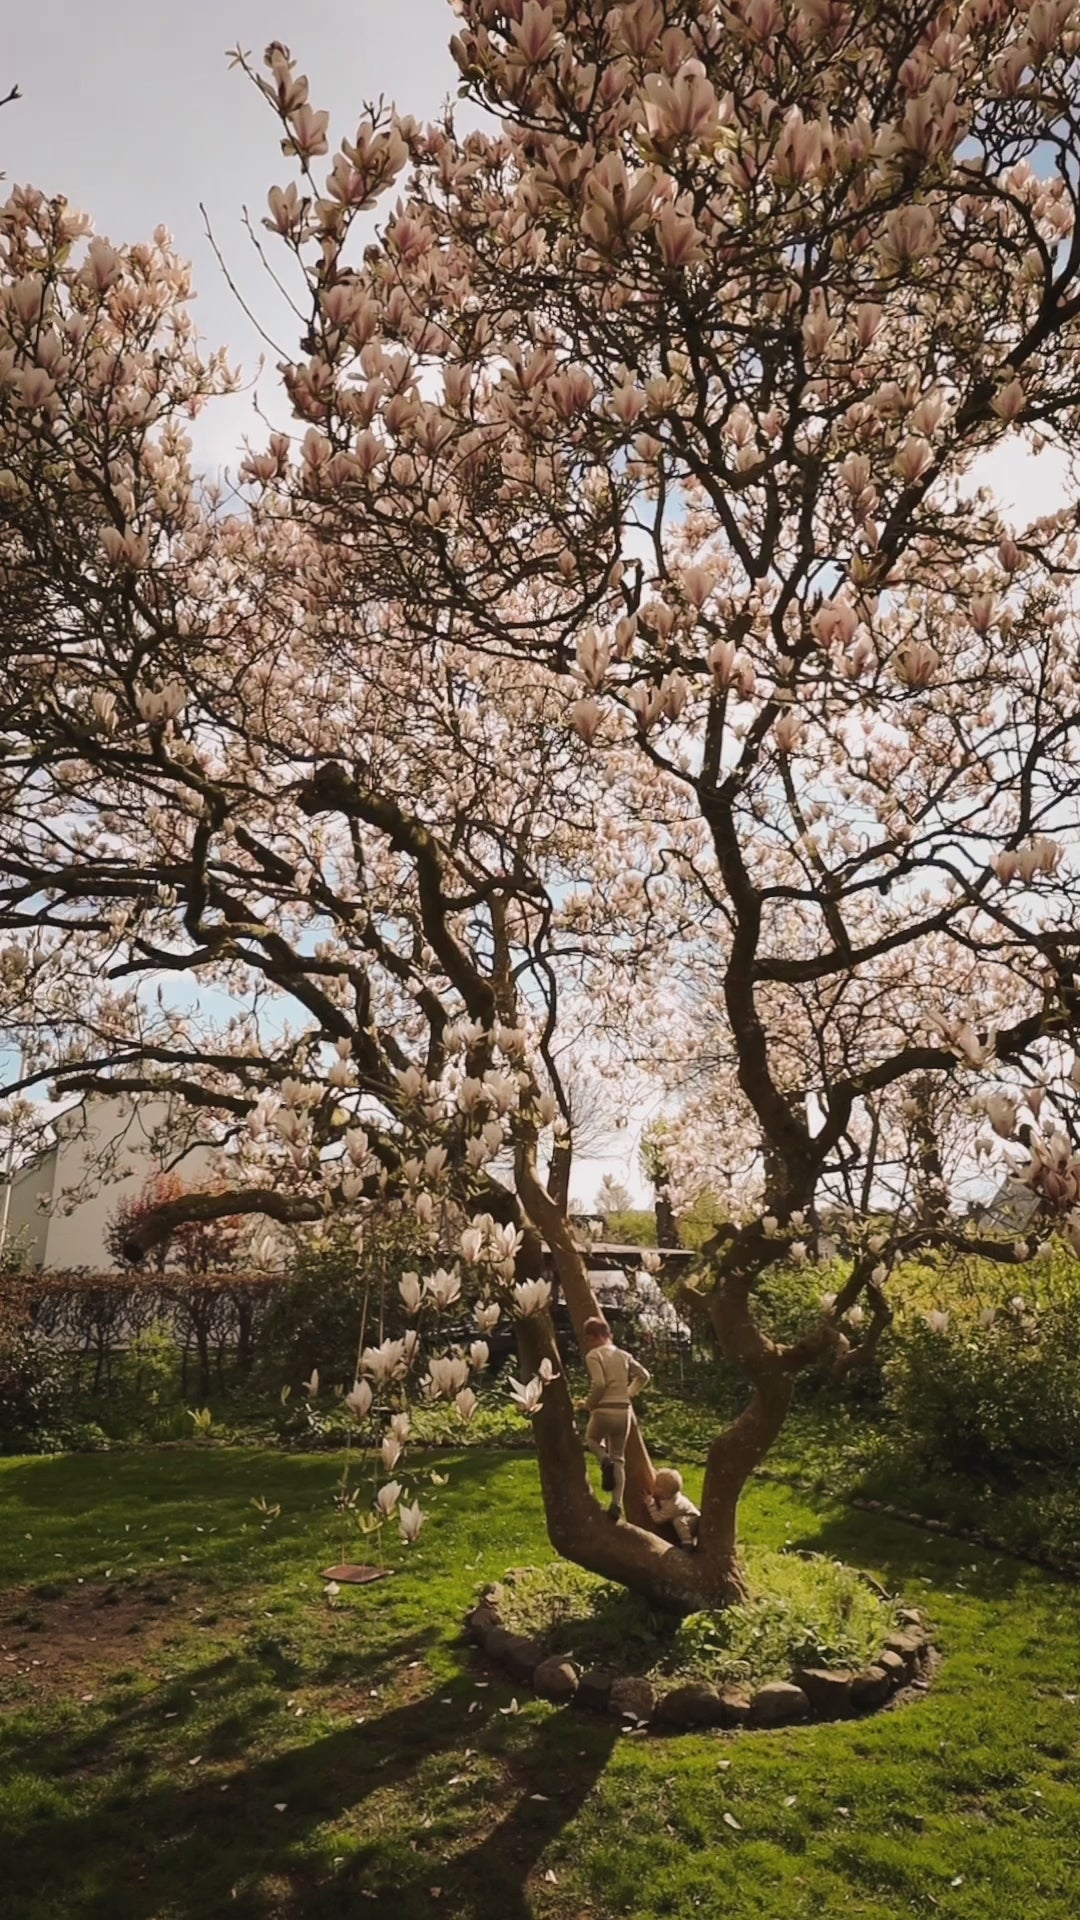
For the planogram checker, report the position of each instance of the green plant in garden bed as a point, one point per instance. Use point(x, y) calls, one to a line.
point(809, 1612)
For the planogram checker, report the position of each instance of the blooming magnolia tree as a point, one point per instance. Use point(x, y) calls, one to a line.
point(624, 622)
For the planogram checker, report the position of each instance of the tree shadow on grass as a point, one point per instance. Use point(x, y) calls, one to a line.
point(901, 1553)
point(184, 1849)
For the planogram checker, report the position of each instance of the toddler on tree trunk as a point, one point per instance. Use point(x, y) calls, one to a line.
point(614, 1378)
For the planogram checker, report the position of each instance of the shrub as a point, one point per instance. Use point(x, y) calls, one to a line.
point(33, 1397)
point(996, 1387)
point(334, 1297)
point(145, 1398)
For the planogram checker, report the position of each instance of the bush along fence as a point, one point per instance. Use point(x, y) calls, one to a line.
point(904, 1666)
point(94, 1318)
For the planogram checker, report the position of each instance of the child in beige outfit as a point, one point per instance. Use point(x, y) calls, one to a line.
point(614, 1378)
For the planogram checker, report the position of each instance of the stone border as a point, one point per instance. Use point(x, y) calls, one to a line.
point(812, 1693)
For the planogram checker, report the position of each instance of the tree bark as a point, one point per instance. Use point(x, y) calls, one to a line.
point(579, 1527)
point(667, 1227)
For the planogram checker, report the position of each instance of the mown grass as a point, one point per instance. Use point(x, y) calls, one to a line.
point(252, 1752)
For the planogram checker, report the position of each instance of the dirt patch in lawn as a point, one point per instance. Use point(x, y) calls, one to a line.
point(53, 1635)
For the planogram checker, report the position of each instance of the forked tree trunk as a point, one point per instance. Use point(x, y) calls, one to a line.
point(579, 1527)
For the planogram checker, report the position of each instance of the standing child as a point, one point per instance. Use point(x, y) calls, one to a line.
point(674, 1512)
point(614, 1378)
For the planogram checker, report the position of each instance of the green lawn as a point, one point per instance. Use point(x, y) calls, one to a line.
point(204, 1737)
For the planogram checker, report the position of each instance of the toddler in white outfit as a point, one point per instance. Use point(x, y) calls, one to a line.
point(672, 1509)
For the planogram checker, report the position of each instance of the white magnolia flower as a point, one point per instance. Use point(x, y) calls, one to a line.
point(505, 1242)
point(479, 1355)
point(466, 1403)
point(856, 1315)
point(434, 1162)
point(798, 1252)
point(390, 1452)
point(987, 1317)
point(527, 1394)
point(448, 1373)
point(487, 1315)
point(1001, 1113)
point(386, 1362)
point(411, 1291)
point(387, 1498)
point(501, 1090)
point(531, 1296)
point(937, 1320)
point(472, 1242)
point(359, 1400)
point(472, 1095)
point(312, 1386)
point(400, 1426)
point(411, 1522)
point(444, 1288)
point(357, 1146)
point(548, 1371)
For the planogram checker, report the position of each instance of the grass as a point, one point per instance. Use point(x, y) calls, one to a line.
point(803, 1612)
point(249, 1751)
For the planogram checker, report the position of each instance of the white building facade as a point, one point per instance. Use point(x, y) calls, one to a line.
point(105, 1151)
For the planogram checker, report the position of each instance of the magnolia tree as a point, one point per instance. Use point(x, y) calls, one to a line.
point(623, 624)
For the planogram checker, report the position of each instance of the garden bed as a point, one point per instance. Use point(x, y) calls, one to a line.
point(818, 1640)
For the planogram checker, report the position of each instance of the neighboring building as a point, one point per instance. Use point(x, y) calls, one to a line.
point(1010, 1210)
point(104, 1151)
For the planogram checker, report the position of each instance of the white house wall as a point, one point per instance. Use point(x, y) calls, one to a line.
point(105, 1152)
point(28, 1222)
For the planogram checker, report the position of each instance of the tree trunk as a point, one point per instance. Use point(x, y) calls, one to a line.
point(628, 1552)
point(667, 1227)
point(930, 1202)
point(580, 1528)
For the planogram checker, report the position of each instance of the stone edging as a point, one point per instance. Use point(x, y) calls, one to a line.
point(812, 1693)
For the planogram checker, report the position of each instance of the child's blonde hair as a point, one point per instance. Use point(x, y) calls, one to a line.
point(667, 1482)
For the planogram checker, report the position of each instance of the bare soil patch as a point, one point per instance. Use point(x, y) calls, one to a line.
point(56, 1636)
